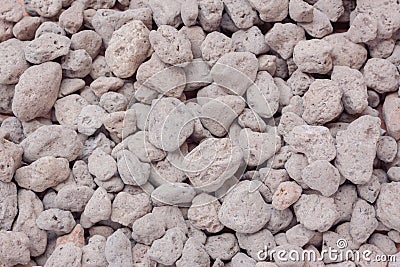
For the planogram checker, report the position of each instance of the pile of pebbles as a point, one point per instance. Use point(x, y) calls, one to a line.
point(196, 133)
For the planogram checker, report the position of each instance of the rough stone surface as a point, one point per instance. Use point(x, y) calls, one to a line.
point(37, 91)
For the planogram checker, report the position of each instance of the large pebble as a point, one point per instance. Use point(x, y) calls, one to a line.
point(16, 242)
point(128, 48)
point(171, 46)
point(127, 208)
point(351, 81)
point(47, 47)
point(118, 249)
point(203, 213)
point(244, 209)
point(235, 71)
point(37, 91)
point(30, 206)
point(315, 142)
point(168, 249)
point(12, 61)
point(313, 56)
point(211, 163)
point(381, 75)
point(322, 176)
point(218, 114)
point(52, 140)
point(316, 212)
point(390, 111)
point(386, 204)
point(169, 124)
point(263, 95)
point(44, 173)
point(356, 149)
point(322, 102)
point(8, 204)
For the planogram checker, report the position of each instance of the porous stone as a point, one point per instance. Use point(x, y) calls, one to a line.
point(206, 173)
point(210, 14)
point(16, 242)
point(67, 109)
point(98, 208)
point(309, 205)
point(387, 200)
point(46, 47)
point(223, 246)
point(72, 18)
point(24, 30)
point(118, 249)
point(102, 165)
point(203, 213)
point(10, 159)
point(128, 48)
point(37, 91)
point(241, 12)
point(390, 108)
point(320, 25)
point(352, 83)
point(167, 115)
point(131, 170)
point(286, 194)
point(193, 254)
point(44, 173)
point(386, 149)
point(88, 40)
point(160, 77)
point(12, 61)
point(180, 194)
point(322, 176)
point(76, 64)
point(381, 75)
point(168, 249)
point(8, 204)
point(171, 46)
point(240, 67)
point(73, 198)
point(258, 147)
point(127, 208)
point(283, 37)
point(363, 222)
point(93, 252)
point(270, 11)
point(243, 209)
point(315, 142)
point(148, 229)
point(363, 28)
point(322, 102)
point(301, 11)
point(215, 45)
point(313, 56)
point(45, 9)
point(56, 220)
point(356, 149)
point(250, 40)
